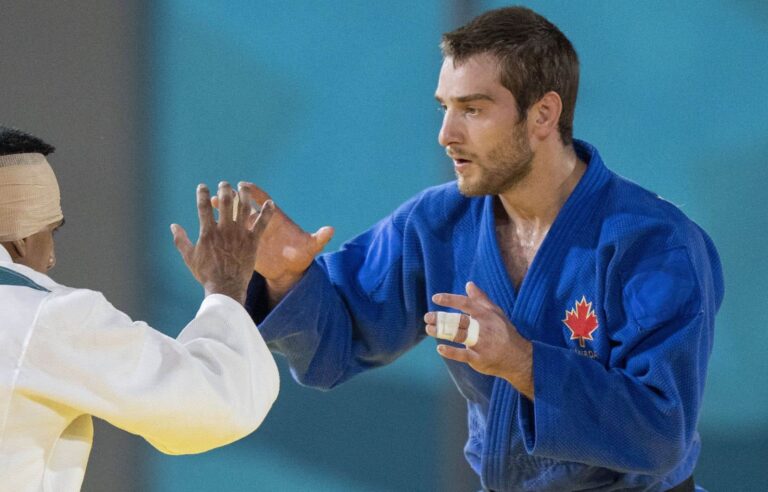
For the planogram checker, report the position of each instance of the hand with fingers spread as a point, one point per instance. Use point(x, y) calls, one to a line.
point(285, 250)
point(222, 260)
point(499, 349)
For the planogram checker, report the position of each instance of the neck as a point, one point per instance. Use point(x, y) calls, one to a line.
point(538, 198)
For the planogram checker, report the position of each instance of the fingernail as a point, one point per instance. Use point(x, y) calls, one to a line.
point(436, 298)
point(173, 228)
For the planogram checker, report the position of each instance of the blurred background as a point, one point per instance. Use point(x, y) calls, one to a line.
point(329, 106)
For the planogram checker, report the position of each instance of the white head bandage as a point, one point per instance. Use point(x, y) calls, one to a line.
point(29, 196)
point(447, 327)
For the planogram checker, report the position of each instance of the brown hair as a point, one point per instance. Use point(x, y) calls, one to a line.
point(535, 57)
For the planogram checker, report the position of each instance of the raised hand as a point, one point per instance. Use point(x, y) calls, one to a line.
point(500, 350)
point(285, 250)
point(223, 258)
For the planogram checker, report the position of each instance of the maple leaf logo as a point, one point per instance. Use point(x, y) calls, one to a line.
point(581, 321)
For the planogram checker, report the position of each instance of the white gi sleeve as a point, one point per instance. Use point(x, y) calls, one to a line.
point(212, 385)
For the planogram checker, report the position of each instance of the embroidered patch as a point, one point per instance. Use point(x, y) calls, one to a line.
point(581, 320)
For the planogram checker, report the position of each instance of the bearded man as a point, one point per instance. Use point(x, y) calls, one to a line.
point(582, 342)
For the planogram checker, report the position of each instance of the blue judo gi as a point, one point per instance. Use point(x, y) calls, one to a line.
point(619, 304)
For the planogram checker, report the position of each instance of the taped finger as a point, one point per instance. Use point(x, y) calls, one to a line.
point(473, 332)
point(447, 325)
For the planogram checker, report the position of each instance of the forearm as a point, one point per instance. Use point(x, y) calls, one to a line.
point(276, 289)
point(232, 288)
point(329, 332)
point(310, 326)
point(583, 410)
point(518, 370)
point(212, 385)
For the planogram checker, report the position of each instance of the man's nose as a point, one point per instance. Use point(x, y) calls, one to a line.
point(451, 131)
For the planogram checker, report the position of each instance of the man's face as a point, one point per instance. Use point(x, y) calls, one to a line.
point(39, 249)
point(482, 129)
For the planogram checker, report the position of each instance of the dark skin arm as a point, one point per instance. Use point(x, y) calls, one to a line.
point(285, 250)
point(223, 258)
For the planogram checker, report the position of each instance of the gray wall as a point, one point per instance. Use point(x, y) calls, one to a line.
point(69, 73)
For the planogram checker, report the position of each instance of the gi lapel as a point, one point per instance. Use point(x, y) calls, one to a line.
point(524, 308)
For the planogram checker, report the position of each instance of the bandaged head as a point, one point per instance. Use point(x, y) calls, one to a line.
point(29, 196)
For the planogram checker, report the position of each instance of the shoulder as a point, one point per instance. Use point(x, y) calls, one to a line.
point(17, 275)
point(628, 214)
point(666, 263)
point(74, 307)
point(637, 219)
point(429, 210)
point(435, 207)
point(44, 303)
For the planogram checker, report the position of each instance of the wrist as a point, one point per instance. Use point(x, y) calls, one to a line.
point(278, 288)
point(520, 372)
point(238, 294)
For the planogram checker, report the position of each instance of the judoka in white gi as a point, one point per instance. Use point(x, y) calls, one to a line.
point(67, 354)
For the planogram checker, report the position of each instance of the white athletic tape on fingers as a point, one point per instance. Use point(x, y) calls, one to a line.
point(473, 332)
point(255, 208)
point(235, 205)
point(447, 325)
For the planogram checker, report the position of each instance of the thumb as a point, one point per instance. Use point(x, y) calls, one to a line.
point(474, 292)
point(181, 241)
point(321, 237)
point(262, 219)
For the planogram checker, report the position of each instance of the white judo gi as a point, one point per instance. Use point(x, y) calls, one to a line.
point(67, 354)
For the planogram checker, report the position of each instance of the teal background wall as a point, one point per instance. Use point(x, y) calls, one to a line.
point(329, 106)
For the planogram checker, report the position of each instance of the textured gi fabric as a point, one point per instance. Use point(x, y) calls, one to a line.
point(67, 354)
point(618, 381)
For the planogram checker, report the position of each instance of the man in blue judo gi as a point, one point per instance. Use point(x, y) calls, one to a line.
point(590, 302)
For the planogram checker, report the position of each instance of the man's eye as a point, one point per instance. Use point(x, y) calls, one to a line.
point(472, 111)
point(441, 109)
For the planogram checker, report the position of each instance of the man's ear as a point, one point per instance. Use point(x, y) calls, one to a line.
point(20, 247)
point(545, 114)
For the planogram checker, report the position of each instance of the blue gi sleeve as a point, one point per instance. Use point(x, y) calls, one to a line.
point(350, 311)
point(638, 414)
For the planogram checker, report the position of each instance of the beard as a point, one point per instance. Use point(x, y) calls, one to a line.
point(505, 167)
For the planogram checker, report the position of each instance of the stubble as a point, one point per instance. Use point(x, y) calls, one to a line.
point(507, 164)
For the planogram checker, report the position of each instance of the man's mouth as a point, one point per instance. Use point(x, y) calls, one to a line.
point(459, 165)
point(461, 161)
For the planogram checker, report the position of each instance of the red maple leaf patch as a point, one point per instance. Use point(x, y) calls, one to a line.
point(581, 321)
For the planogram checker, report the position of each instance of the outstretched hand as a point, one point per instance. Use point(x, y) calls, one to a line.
point(500, 350)
point(285, 250)
point(222, 260)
